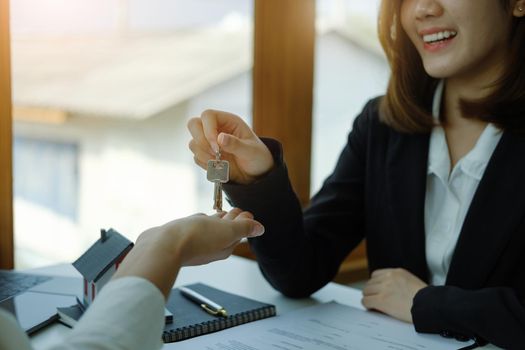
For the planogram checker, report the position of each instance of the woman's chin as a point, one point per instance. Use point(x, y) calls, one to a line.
point(438, 72)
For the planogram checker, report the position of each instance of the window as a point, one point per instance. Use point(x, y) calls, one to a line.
point(350, 69)
point(117, 80)
point(46, 174)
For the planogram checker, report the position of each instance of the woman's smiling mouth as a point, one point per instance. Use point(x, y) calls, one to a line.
point(437, 39)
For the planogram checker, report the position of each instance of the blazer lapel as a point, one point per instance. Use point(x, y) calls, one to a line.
point(406, 183)
point(496, 209)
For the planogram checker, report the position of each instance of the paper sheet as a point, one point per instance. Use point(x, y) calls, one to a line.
point(328, 326)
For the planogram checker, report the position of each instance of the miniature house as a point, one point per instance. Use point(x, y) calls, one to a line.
point(100, 262)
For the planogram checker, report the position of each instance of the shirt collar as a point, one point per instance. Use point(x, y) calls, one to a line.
point(474, 162)
point(438, 157)
point(438, 97)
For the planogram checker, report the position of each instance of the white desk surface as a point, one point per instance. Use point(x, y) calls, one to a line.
point(235, 274)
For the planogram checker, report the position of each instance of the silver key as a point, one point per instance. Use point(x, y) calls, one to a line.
point(218, 172)
point(217, 196)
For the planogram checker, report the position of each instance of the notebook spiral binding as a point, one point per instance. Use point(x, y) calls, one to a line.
point(217, 324)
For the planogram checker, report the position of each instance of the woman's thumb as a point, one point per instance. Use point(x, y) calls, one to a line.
point(232, 144)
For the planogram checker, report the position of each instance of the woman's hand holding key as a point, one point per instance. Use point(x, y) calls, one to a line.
point(248, 156)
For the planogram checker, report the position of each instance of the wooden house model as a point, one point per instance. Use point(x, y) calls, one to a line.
point(100, 262)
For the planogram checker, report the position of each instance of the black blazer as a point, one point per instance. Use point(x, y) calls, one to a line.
point(377, 192)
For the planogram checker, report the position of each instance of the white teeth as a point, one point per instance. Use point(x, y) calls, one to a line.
point(429, 38)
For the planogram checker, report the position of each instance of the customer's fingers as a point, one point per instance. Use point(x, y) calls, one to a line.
point(244, 215)
point(247, 228)
point(219, 214)
point(232, 214)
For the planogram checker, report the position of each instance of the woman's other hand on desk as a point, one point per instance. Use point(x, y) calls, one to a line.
point(198, 239)
point(392, 291)
point(215, 130)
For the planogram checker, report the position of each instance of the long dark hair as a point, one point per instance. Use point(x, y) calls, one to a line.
point(407, 103)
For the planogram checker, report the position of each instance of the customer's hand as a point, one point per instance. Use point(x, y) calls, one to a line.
point(198, 239)
point(248, 156)
point(210, 238)
point(392, 292)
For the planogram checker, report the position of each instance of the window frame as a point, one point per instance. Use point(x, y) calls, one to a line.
point(284, 39)
point(6, 126)
point(283, 72)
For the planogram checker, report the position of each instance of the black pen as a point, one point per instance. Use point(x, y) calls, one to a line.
point(209, 306)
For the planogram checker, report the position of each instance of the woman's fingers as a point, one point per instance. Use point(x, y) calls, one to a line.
point(196, 129)
point(210, 127)
point(200, 155)
point(231, 144)
point(225, 132)
point(371, 289)
point(371, 302)
point(216, 121)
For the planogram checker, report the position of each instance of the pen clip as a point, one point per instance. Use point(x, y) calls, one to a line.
point(219, 312)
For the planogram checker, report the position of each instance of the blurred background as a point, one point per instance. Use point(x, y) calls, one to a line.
point(103, 89)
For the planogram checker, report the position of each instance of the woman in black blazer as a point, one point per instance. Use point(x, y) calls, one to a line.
point(433, 176)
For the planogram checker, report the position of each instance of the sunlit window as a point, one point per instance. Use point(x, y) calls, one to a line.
point(107, 86)
point(102, 92)
point(350, 69)
point(56, 185)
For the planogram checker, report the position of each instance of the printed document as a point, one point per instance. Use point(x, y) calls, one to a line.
point(329, 326)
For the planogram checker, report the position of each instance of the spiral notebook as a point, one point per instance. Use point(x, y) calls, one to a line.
point(190, 320)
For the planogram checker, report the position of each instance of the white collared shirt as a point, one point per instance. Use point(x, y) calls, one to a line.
point(449, 194)
point(127, 314)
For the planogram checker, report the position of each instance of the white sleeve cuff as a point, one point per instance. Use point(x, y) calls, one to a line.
point(128, 313)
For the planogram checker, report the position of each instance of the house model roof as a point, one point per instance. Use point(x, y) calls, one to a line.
point(103, 254)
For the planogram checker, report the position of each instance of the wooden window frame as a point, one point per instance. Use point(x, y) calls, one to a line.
point(283, 70)
point(6, 144)
point(284, 46)
point(284, 50)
